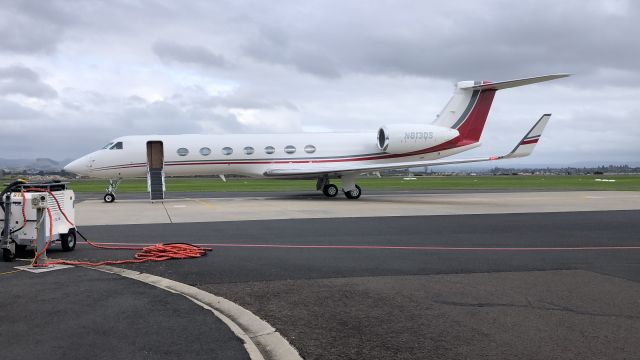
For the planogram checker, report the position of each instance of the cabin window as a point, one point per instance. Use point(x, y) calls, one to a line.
point(309, 149)
point(248, 150)
point(289, 149)
point(205, 151)
point(107, 146)
point(183, 152)
point(116, 146)
point(269, 150)
point(227, 151)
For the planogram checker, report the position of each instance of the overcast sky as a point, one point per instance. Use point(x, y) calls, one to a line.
point(75, 74)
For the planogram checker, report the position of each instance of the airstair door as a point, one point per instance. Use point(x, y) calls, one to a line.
point(155, 170)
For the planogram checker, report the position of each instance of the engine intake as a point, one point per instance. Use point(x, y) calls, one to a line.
point(402, 138)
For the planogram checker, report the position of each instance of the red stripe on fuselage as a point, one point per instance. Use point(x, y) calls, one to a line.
point(451, 144)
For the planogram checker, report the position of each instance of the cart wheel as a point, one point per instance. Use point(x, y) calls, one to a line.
point(7, 255)
point(68, 240)
point(21, 250)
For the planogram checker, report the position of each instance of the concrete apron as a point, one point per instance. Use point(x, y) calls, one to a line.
point(96, 212)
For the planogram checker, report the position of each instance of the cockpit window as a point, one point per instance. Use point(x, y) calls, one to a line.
point(107, 146)
point(116, 146)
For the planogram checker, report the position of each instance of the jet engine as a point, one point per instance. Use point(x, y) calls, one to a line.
point(403, 138)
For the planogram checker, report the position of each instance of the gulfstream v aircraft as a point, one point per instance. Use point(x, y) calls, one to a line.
point(321, 156)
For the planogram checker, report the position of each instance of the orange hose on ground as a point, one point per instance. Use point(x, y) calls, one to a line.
point(158, 252)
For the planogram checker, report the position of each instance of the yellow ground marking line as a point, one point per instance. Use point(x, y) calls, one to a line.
point(205, 203)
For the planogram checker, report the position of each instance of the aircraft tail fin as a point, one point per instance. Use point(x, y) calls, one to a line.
point(468, 108)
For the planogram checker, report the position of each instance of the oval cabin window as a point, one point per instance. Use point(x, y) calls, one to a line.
point(309, 149)
point(289, 149)
point(248, 150)
point(205, 151)
point(183, 152)
point(269, 150)
point(227, 151)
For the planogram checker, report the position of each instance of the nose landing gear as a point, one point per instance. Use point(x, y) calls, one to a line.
point(110, 196)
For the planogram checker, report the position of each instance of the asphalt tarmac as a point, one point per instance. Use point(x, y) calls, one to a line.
point(517, 286)
point(79, 313)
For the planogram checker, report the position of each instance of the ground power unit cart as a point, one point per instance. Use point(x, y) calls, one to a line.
point(25, 220)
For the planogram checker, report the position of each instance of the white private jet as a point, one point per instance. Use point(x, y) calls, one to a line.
point(321, 156)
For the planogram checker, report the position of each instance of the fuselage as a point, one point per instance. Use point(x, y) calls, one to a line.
point(245, 154)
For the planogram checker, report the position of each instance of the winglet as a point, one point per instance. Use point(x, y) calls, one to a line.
point(528, 143)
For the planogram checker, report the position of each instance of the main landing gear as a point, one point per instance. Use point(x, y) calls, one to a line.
point(110, 196)
point(353, 194)
point(331, 190)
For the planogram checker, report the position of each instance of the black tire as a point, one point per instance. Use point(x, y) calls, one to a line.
point(68, 240)
point(330, 190)
point(353, 194)
point(7, 255)
point(109, 198)
point(21, 250)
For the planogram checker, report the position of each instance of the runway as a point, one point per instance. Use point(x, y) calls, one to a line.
point(536, 284)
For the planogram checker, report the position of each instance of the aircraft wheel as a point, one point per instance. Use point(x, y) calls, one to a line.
point(68, 240)
point(109, 198)
point(330, 190)
point(353, 194)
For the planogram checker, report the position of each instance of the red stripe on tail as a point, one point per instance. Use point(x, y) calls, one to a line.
point(472, 127)
point(527, 142)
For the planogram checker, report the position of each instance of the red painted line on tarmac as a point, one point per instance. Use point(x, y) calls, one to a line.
point(390, 247)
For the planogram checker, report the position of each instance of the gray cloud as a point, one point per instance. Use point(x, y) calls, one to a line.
point(247, 101)
point(451, 39)
point(31, 26)
point(273, 46)
point(10, 110)
point(167, 117)
point(196, 55)
point(101, 118)
point(21, 80)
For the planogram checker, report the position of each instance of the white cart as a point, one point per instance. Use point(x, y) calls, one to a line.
point(27, 227)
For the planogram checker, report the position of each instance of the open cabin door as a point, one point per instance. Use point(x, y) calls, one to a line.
point(155, 170)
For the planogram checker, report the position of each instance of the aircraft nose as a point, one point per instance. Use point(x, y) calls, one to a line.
point(78, 166)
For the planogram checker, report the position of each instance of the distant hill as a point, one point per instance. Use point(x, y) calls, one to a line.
point(44, 164)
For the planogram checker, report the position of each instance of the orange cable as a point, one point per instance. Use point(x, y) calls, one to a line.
point(158, 252)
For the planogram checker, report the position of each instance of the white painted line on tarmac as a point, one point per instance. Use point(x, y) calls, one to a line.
point(38, 270)
point(261, 340)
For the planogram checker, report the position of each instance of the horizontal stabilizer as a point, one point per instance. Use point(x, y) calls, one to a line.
point(528, 143)
point(514, 83)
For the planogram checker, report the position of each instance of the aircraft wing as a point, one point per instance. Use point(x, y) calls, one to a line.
point(524, 148)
